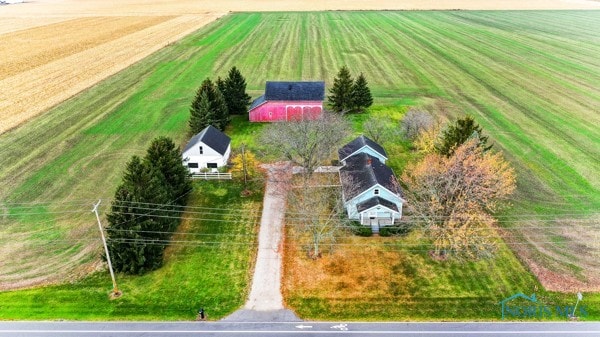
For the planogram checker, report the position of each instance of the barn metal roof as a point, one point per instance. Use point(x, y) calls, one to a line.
point(257, 102)
point(295, 91)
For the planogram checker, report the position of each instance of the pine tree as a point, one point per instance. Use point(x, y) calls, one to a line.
point(201, 114)
point(361, 94)
point(208, 108)
point(340, 98)
point(234, 90)
point(219, 108)
point(132, 229)
point(220, 83)
point(458, 133)
point(165, 158)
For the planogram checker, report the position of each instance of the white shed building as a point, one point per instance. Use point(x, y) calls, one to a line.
point(209, 149)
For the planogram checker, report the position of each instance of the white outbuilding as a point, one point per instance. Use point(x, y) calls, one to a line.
point(209, 149)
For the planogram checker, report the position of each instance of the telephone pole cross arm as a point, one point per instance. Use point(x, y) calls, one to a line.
point(115, 291)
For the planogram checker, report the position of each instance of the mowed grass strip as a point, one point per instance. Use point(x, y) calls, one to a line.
point(208, 265)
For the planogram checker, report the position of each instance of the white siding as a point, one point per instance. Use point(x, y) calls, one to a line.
point(368, 194)
point(208, 155)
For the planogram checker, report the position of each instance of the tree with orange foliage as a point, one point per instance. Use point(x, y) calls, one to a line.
point(454, 197)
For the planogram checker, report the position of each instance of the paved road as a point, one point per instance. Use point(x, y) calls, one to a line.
point(55, 329)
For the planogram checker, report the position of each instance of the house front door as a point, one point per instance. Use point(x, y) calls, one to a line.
point(374, 222)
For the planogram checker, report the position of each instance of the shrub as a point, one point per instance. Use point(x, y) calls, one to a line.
point(361, 230)
point(394, 230)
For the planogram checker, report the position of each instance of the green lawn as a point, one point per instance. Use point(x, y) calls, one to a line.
point(529, 77)
point(208, 265)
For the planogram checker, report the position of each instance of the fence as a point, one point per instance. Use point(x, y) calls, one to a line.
point(212, 176)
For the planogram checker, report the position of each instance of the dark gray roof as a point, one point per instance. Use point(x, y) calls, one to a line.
point(362, 172)
point(358, 143)
point(212, 137)
point(295, 91)
point(370, 203)
point(257, 102)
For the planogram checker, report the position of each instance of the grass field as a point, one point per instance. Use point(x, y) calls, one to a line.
point(530, 78)
point(208, 265)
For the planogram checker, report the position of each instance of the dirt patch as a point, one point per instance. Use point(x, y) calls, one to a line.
point(564, 255)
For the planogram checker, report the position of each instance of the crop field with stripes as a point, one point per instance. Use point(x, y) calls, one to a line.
point(530, 78)
point(43, 65)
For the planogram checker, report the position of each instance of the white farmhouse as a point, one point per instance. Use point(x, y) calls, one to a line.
point(209, 149)
point(370, 192)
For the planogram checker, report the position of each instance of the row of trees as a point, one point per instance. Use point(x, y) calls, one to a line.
point(216, 101)
point(146, 208)
point(348, 95)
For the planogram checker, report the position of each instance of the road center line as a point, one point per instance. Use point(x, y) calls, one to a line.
point(402, 332)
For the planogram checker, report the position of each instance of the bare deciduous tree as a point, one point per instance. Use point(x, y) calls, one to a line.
point(415, 122)
point(378, 129)
point(454, 197)
point(306, 143)
point(317, 214)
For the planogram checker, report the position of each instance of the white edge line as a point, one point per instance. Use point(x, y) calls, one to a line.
point(435, 332)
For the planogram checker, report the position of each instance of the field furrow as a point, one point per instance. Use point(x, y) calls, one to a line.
point(31, 48)
point(31, 92)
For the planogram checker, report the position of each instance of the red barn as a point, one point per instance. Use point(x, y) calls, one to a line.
point(286, 101)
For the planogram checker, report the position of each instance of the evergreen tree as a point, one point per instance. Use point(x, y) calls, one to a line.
point(132, 227)
point(234, 90)
point(361, 94)
point(208, 108)
point(165, 158)
point(146, 208)
point(340, 98)
point(201, 114)
point(219, 107)
point(458, 133)
point(221, 85)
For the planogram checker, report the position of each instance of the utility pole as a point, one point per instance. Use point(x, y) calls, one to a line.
point(115, 291)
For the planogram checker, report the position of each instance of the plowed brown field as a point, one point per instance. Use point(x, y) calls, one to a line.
point(47, 73)
point(51, 50)
point(48, 43)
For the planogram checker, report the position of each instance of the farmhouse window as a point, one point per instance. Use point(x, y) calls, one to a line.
point(376, 191)
point(211, 165)
point(193, 165)
point(201, 150)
